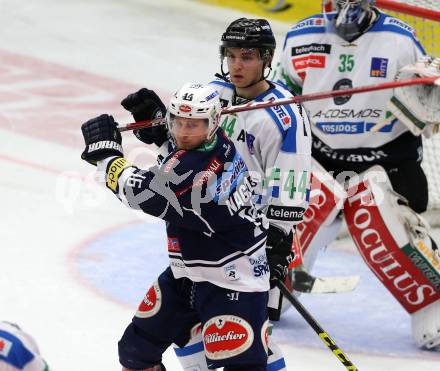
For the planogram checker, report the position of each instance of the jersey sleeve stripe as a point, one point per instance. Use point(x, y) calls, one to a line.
point(222, 83)
point(276, 120)
point(289, 136)
point(387, 23)
point(270, 111)
point(289, 142)
point(190, 349)
point(304, 31)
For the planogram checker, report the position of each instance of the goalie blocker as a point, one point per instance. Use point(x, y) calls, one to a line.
point(417, 106)
point(394, 242)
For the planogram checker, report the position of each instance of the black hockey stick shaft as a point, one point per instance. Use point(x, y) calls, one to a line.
point(318, 329)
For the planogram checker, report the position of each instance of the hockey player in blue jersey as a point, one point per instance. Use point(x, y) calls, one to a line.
point(275, 144)
point(355, 44)
point(218, 279)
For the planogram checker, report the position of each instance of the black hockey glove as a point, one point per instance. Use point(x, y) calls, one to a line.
point(279, 254)
point(102, 139)
point(146, 105)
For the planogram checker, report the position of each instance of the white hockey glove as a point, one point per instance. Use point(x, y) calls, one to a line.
point(418, 106)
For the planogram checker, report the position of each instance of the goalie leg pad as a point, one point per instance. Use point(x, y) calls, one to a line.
point(386, 235)
point(317, 229)
point(425, 325)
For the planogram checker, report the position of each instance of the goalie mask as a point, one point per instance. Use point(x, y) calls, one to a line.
point(352, 17)
point(190, 105)
point(249, 34)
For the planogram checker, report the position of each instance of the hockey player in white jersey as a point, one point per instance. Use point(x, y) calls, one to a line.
point(18, 350)
point(358, 45)
point(274, 142)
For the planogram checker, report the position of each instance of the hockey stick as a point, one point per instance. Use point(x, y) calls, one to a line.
point(318, 329)
point(302, 281)
point(301, 98)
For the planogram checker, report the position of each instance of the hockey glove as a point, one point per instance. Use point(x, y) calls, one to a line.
point(146, 105)
point(102, 139)
point(279, 254)
point(417, 106)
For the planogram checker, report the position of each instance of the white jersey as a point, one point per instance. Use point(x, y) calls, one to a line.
point(275, 144)
point(18, 350)
point(316, 59)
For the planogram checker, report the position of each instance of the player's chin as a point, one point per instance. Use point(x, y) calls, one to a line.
point(239, 81)
point(187, 146)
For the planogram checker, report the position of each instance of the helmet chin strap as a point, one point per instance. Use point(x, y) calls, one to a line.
point(263, 77)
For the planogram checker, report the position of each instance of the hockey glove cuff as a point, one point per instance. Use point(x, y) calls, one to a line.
point(146, 105)
point(102, 139)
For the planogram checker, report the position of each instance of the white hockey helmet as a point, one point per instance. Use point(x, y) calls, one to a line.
point(195, 101)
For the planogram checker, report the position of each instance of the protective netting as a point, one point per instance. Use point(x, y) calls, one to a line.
point(427, 29)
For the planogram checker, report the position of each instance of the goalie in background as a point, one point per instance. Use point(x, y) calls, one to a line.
point(19, 350)
point(364, 172)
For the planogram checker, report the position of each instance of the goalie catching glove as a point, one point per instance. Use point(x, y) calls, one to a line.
point(102, 139)
point(418, 106)
point(279, 254)
point(146, 105)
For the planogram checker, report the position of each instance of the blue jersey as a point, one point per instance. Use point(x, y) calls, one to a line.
point(214, 231)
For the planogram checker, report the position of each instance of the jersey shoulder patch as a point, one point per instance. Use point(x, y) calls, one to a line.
point(390, 24)
point(313, 24)
point(225, 90)
point(283, 116)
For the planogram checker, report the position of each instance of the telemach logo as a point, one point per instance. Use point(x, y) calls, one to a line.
point(311, 48)
point(285, 213)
